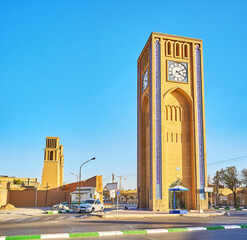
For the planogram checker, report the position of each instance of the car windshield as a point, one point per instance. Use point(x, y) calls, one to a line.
point(89, 201)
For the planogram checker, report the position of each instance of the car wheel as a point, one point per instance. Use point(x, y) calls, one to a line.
point(102, 209)
point(92, 210)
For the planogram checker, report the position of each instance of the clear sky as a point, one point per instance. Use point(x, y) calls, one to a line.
point(68, 69)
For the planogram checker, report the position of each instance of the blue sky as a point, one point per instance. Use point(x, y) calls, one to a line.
point(68, 69)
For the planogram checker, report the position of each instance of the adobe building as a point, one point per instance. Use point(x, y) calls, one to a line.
point(171, 123)
point(52, 175)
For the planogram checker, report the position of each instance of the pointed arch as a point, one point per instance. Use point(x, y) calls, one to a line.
point(180, 136)
point(186, 95)
point(185, 51)
point(144, 103)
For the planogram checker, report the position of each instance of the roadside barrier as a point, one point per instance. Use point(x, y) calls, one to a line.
point(115, 233)
point(59, 211)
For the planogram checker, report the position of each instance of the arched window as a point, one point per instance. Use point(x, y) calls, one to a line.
point(185, 51)
point(177, 49)
point(168, 48)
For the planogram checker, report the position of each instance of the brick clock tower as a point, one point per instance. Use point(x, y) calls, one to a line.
point(171, 123)
point(53, 164)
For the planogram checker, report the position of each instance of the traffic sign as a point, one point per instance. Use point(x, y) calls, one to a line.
point(111, 186)
point(112, 194)
point(118, 192)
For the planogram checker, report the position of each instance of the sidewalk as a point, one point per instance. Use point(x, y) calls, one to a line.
point(29, 211)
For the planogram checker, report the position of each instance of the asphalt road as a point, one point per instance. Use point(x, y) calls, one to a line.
point(67, 223)
point(240, 234)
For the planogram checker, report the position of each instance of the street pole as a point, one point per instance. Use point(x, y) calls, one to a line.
point(117, 198)
point(77, 177)
point(36, 197)
point(80, 177)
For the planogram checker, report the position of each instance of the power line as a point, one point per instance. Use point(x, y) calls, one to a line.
point(228, 160)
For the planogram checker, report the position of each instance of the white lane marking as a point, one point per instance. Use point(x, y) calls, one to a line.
point(231, 226)
point(33, 219)
point(20, 219)
point(196, 228)
point(57, 235)
point(112, 233)
point(45, 219)
point(8, 219)
point(71, 217)
point(61, 217)
point(156, 230)
point(82, 216)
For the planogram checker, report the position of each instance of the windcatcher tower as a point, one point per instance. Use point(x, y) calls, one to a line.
point(171, 147)
point(53, 164)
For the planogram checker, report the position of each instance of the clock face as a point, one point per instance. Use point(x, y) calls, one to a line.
point(144, 80)
point(177, 71)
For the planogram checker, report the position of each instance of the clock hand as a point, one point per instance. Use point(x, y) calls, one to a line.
point(178, 72)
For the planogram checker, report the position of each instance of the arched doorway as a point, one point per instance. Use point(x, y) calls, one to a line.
point(177, 144)
point(144, 154)
point(180, 196)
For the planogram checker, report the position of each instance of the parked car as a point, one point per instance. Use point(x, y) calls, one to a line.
point(91, 205)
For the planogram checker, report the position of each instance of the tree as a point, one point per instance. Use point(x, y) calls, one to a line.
point(244, 177)
point(17, 181)
point(216, 185)
point(229, 177)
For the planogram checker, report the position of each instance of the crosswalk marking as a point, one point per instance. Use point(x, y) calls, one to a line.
point(82, 216)
point(33, 219)
point(45, 219)
point(28, 219)
point(8, 219)
point(20, 219)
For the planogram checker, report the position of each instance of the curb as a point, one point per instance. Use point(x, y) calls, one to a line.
point(231, 209)
point(58, 211)
point(115, 233)
point(135, 216)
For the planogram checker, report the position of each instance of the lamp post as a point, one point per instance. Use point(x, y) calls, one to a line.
point(77, 176)
point(80, 177)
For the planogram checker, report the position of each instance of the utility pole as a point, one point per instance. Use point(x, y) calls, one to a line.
point(112, 177)
point(112, 200)
point(120, 182)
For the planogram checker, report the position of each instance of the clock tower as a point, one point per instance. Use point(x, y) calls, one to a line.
point(171, 147)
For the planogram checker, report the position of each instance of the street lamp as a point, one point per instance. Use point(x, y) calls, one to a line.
point(80, 177)
point(77, 176)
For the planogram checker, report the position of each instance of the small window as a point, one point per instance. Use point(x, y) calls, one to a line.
point(168, 48)
point(185, 51)
point(177, 49)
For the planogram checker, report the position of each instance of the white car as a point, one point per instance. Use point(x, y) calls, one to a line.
point(91, 205)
